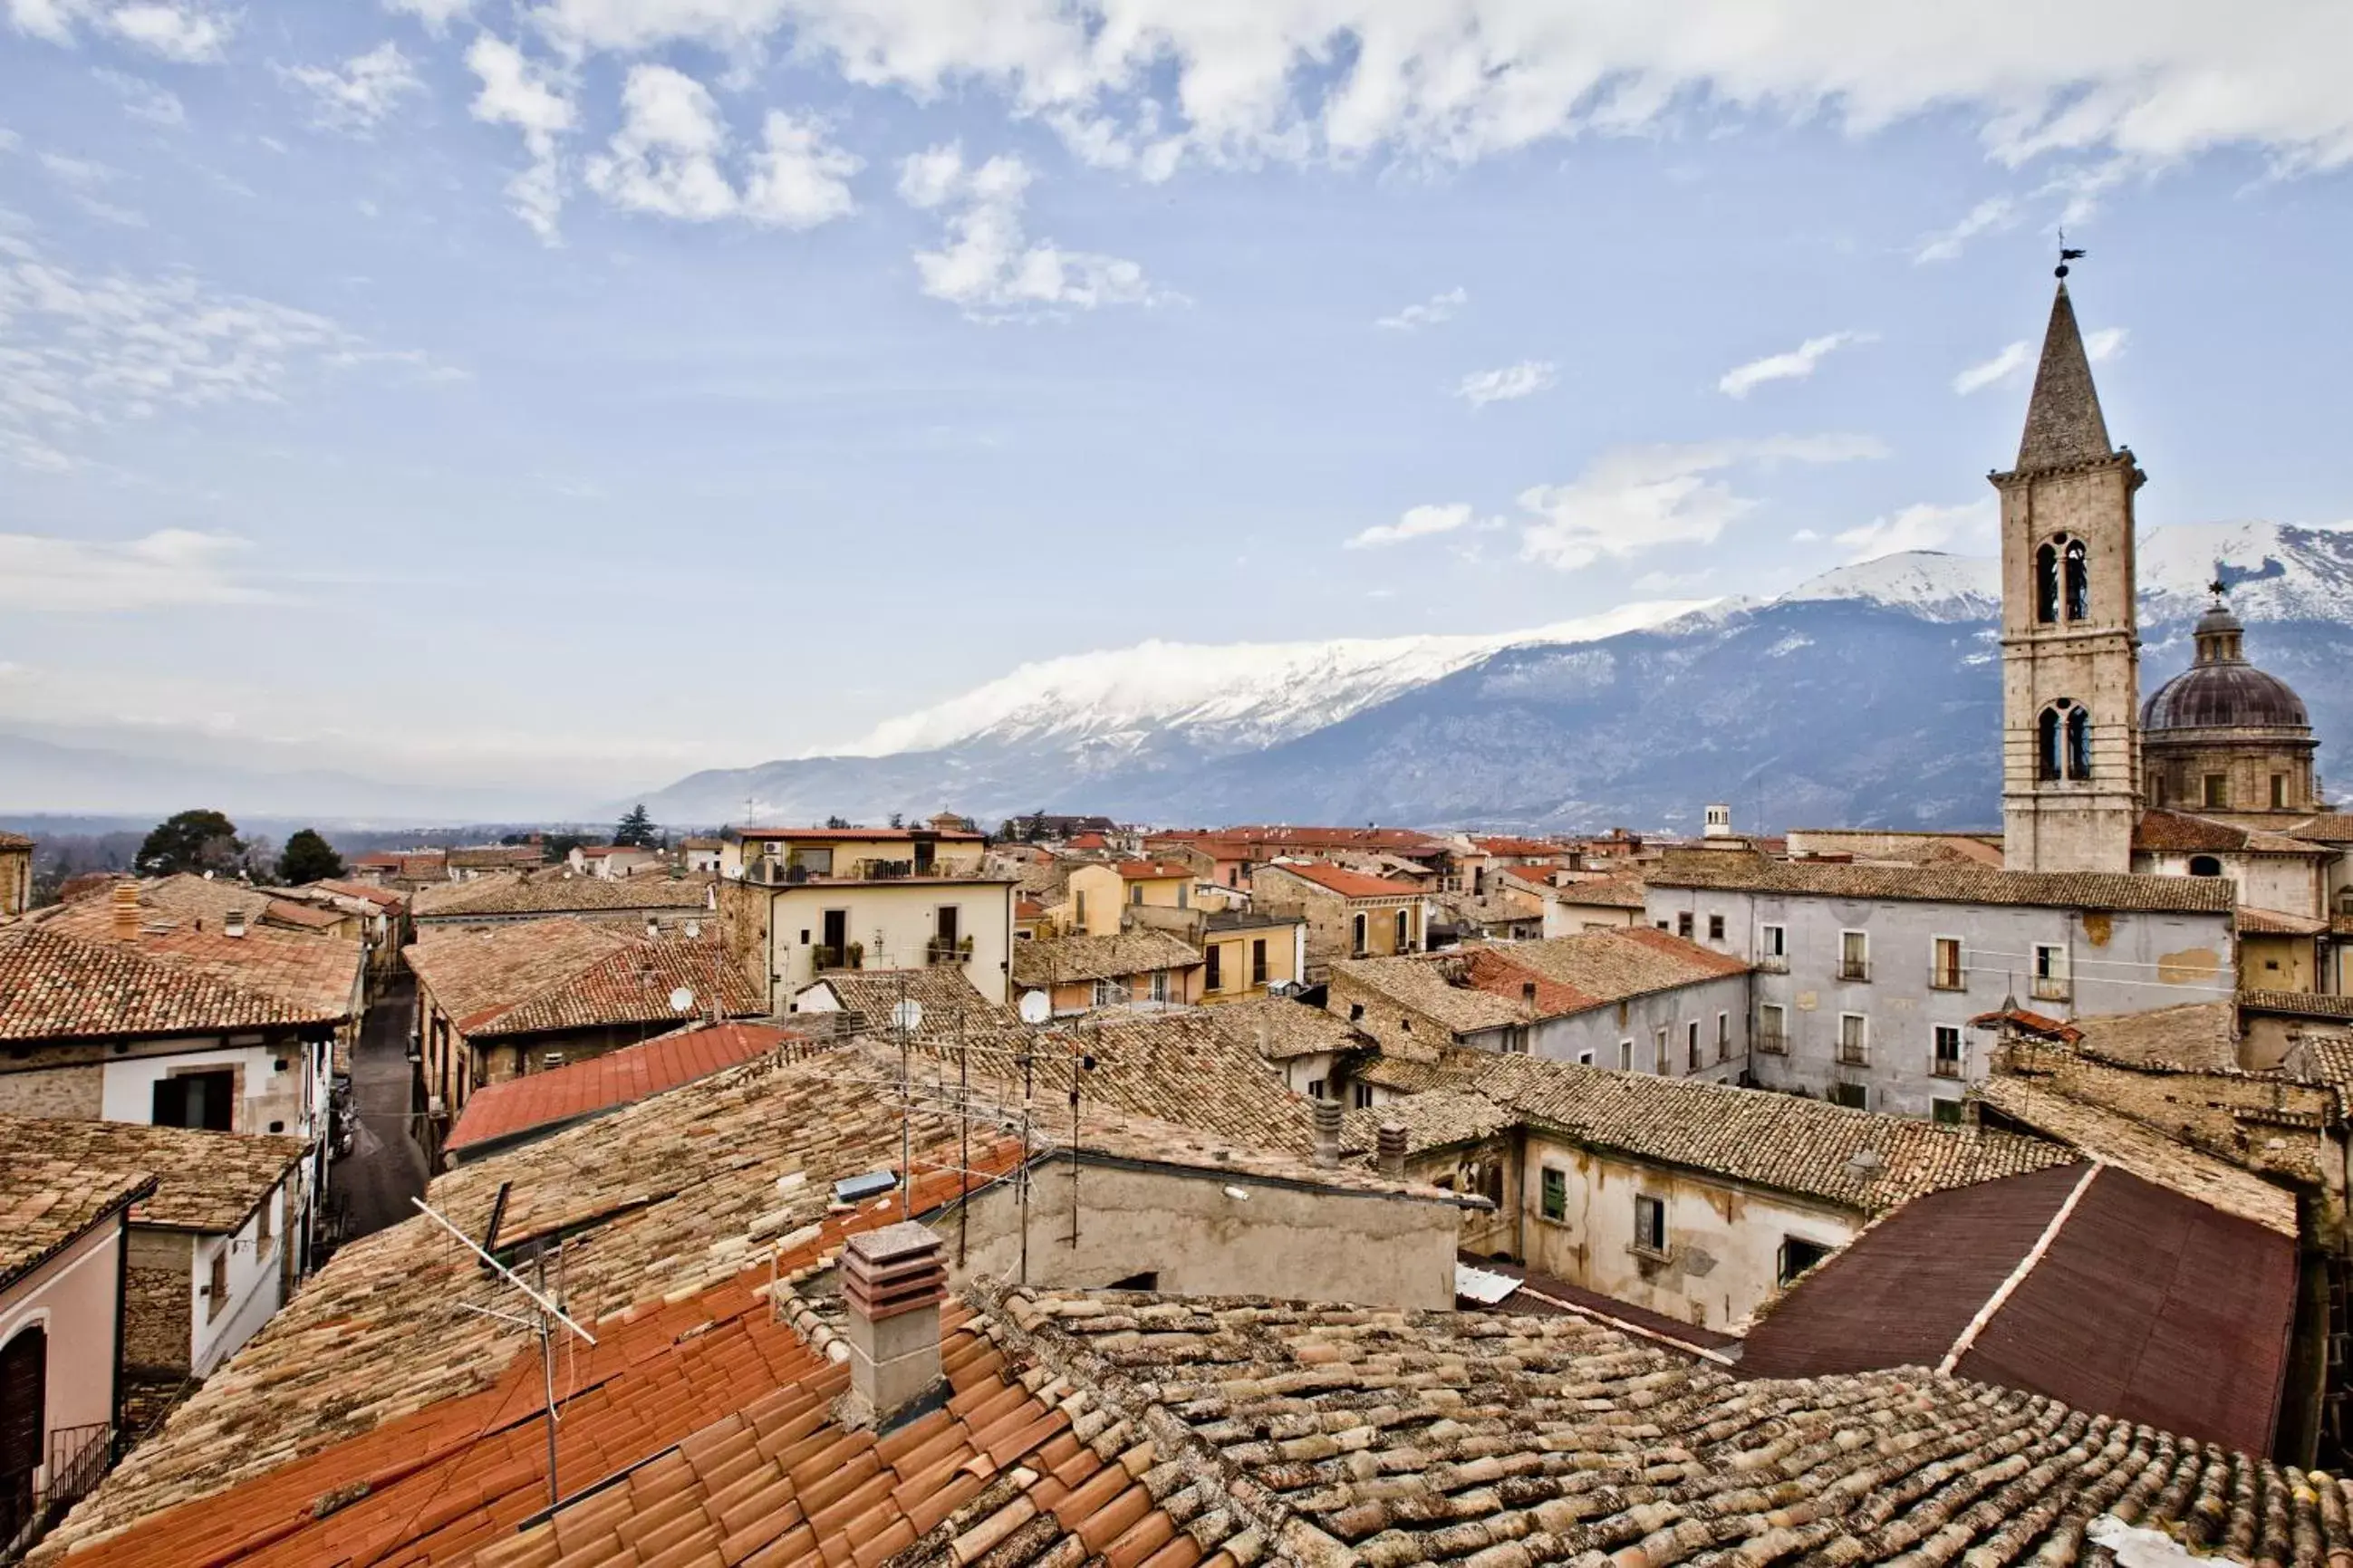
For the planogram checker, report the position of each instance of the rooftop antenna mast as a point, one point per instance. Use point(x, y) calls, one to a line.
point(541, 1321)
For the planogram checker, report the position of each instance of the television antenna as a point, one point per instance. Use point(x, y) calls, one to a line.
point(541, 1321)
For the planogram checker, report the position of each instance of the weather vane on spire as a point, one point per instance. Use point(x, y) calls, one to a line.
point(2065, 256)
point(2218, 588)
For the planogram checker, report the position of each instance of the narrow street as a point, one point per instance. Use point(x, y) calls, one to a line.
point(384, 1168)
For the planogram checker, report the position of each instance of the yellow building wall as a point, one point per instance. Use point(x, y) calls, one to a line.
point(894, 922)
point(1236, 979)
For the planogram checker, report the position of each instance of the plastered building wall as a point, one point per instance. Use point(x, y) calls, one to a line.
point(2116, 962)
point(1724, 1243)
point(71, 1298)
point(775, 931)
point(1196, 1236)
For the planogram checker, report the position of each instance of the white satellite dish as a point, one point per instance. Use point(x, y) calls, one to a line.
point(1036, 1006)
point(906, 1015)
point(681, 1000)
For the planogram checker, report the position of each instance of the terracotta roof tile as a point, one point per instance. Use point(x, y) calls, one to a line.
point(68, 977)
point(1279, 1028)
point(1947, 884)
point(555, 891)
point(1051, 961)
point(558, 974)
point(498, 1111)
point(209, 1182)
point(52, 1194)
point(1347, 884)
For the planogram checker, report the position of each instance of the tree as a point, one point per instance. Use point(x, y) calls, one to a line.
point(637, 829)
point(898, 819)
point(197, 841)
point(308, 859)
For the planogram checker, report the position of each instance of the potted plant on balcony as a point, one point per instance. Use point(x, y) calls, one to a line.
point(854, 956)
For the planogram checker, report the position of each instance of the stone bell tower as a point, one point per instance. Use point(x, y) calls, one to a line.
point(2070, 631)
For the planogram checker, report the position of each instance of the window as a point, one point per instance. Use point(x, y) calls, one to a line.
point(1184, 894)
point(1585, 1059)
point(205, 1100)
point(1684, 924)
point(1135, 894)
point(948, 922)
point(2079, 743)
point(216, 1287)
point(1650, 1225)
point(2218, 789)
point(1854, 1039)
point(1659, 1050)
point(549, 1060)
point(1946, 1062)
point(1079, 914)
point(1360, 935)
point(1773, 949)
point(1661, 925)
point(1555, 1195)
point(2163, 789)
point(2205, 866)
point(2051, 972)
point(261, 1230)
point(1356, 1011)
point(1715, 928)
point(1160, 985)
point(1771, 1027)
point(1853, 1096)
point(1360, 1094)
point(1314, 1088)
point(1213, 977)
point(1403, 930)
point(2046, 585)
point(1854, 956)
point(1691, 1045)
point(2063, 742)
point(1947, 1112)
point(1105, 994)
point(1723, 1036)
point(2079, 582)
point(1945, 962)
point(1798, 1255)
point(1625, 1056)
point(2279, 792)
point(1258, 960)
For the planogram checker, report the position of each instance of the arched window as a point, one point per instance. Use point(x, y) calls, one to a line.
point(2063, 742)
point(24, 1421)
point(2079, 582)
point(2205, 866)
point(2046, 584)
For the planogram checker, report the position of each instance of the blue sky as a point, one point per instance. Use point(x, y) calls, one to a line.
point(595, 389)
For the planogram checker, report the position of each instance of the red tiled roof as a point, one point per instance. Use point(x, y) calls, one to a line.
point(13, 841)
point(2278, 922)
point(861, 835)
point(1149, 870)
point(1087, 841)
point(461, 1475)
point(58, 983)
point(382, 898)
point(1519, 847)
point(499, 1111)
point(1347, 884)
point(2032, 1023)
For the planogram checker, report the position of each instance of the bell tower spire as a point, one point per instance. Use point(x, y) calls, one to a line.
point(2070, 629)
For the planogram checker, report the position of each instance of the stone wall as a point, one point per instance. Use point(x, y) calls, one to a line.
point(157, 1331)
point(77, 1091)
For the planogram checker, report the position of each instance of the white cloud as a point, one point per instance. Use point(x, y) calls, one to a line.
point(1437, 308)
point(1994, 212)
point(80, 355)
point(2105, 343)
point(81, 174)
point(1144, 85)
point(520, 93)
point(665, 159)
point(168, 568)
point(142, 99)
point(1921, 527)
point(1795, 365)
point(1524, 379)
point(188, 34)
point(986, 266)
point(1635, 498)
point(108, 212)
point(2013, 359)
point(356, 97)
point(1418, 523)
point(437, 14)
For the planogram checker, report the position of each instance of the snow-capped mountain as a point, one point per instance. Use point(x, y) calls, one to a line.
point(1868, 694)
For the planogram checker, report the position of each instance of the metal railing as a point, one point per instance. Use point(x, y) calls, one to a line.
point(2052, 989)
point(31, 1500)
point(1945, 1066)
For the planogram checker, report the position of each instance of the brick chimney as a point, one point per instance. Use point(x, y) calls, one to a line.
point(1326, 1113)
point(1390, 1145)
point(892, 1281)
point(126, 911)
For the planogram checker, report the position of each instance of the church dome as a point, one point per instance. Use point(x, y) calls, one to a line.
point(2222, 690)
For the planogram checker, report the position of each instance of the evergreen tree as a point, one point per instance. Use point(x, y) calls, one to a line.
point(637, 829)
point(309, 857)
point(197, 841)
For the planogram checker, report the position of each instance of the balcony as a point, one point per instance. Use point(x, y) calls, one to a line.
point(944, 950)
point(1773, 1042)
point(1946, 1067)
point(80, 1458)
point(1854, 969)
point(1850, 1055)
point(2050, 988)
point(1776, 964)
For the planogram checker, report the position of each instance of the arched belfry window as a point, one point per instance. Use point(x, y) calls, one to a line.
point(2046, 584)
point(2079, 582)
point(2063, 742)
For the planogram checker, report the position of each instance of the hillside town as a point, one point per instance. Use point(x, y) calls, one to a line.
point(1063, 1190)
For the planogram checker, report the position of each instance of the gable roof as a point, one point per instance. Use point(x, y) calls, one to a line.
point(57, 983)
point(559, 974)
point(947, 995)
point(1470, 989)
point(505, 1111)
point(209, 1182)
point(1061, 960)
point(555, 891)
point(1152, 870)
point(1279, 1028)
point(51, 1197)
point(2085, 1283)
point(1953, 884)
point(1602, 892)
point(1347, 884)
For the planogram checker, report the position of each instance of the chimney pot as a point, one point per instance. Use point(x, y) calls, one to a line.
point(1528, 992)
point(1391, 1147)
point(126, 911)
point(233, 923)
point(1326, 1113)
point(893, 1281)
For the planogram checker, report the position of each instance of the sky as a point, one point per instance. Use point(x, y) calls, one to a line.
point(575, 392)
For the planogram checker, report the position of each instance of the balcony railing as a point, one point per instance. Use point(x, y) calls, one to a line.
point(1772, 1042)
point(1851, 1053)
point(940, 949)
point(80, 1458)
point(1946, 1067)
point(2049, 988)
point(1854, 969)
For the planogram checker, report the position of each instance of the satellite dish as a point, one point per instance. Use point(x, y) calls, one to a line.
point(906, 1015)
point(1036, 1006)
point(681, 1000)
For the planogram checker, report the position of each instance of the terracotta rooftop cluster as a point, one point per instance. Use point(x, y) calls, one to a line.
point(568, 974)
